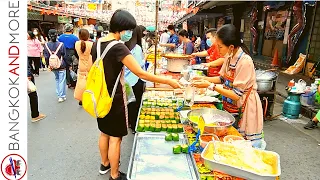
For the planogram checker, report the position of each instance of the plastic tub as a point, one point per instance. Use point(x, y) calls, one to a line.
point(238, 171)
point(203, 142)
point(231, 138)
point(308, 99)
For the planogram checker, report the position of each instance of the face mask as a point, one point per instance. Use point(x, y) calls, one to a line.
point(126, 36)
point(169, 33)
point(209, 43)
point(229, 54)
point(35, 32)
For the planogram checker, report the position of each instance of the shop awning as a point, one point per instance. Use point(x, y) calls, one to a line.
point(184, 18)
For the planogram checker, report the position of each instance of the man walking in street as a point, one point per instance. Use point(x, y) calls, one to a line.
point(69, 40)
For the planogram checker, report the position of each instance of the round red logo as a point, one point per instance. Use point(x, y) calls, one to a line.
point(13, 167)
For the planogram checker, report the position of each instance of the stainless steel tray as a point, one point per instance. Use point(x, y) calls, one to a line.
point(152, 158)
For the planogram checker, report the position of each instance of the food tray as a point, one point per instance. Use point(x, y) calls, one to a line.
point(152, 158)
point(176, 56)
point(235, 171)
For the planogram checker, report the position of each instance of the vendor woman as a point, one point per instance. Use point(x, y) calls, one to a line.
point(239, 89)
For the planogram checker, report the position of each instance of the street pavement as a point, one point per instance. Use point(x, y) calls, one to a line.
point(65, 145)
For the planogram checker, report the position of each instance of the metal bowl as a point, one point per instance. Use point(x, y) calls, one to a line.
point(218, 130)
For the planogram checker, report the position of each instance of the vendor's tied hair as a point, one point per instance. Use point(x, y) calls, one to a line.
point(122, 20)
point(83, 36)
point(229, 35)
point(183, 33)
point(213, 31)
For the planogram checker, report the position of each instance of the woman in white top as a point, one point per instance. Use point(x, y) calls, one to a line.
point(134, 45)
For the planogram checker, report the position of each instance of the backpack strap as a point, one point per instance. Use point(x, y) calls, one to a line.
point(58, 48)
point(109, 46)
point(50, 52)
point(48, 49)
point(99, 58)
point(116, 85)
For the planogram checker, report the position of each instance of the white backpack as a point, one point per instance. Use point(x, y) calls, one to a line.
point(54, 60)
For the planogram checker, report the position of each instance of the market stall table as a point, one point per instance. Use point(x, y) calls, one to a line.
point(153, 154)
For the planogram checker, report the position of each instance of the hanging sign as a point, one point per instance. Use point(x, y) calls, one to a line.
point(92, 7)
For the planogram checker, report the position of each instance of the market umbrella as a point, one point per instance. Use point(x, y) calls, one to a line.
point(151, 28)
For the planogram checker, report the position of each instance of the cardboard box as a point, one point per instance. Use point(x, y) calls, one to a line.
point(308, 68)
point(267, 48)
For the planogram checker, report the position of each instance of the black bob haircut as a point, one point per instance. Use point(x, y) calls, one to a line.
point(212, 31)
point(183, 33)
point(122, 20)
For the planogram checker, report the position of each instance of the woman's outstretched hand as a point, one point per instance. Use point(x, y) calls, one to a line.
point(174, 83)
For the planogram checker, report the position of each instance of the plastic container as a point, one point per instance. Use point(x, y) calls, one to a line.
point(308, 99)
point(231, 138)
point(203, 143)
point(238, 171)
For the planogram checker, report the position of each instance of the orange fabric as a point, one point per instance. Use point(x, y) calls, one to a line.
point(85, 63)
point(213, 55)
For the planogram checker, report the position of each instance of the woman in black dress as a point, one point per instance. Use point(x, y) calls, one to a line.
point(114, 126)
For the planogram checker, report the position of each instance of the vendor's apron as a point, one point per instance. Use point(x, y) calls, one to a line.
point(229, 104)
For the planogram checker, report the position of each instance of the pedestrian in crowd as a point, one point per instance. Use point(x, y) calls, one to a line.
point(33, 98)
point(99, 35)
point(204, 45)
point(313, 123)
point(39, 36)
point(83, 48)
point(193, 38)
point(173, 42)
point(240, 87)
point(214, 60)
point(197, 43)
point(164, 38)
point(143, 39)
point(188, 47)
point(69, 40)
point(34, 49)
point(150, 39)
point(114, 126)
point(53, 46)
point(138, 85)
point(92, 37)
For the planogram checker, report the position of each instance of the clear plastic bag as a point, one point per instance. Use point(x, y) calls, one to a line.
point(73, 75)
point(130, 94)
point(31, 87)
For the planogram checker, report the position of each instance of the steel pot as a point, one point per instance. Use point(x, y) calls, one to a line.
point(265, 85)
point(265, 75)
